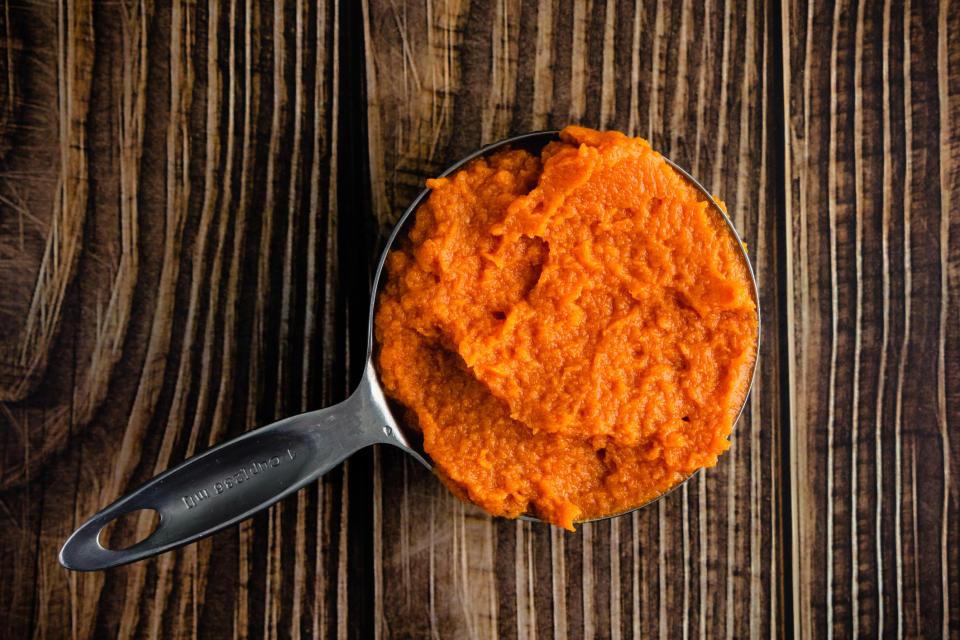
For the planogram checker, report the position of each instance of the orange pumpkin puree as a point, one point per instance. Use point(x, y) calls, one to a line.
point(573, 334)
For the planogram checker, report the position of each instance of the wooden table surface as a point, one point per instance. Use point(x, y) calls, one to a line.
point(193, 195)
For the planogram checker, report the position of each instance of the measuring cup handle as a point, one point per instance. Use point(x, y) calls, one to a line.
point(231, 482)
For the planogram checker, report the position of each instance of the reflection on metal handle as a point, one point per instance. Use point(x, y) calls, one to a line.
point(231, 482)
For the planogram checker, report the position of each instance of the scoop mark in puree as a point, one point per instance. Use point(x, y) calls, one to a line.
point(573, 334)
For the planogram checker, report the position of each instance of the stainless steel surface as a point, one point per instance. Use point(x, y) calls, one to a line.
point(231, 482)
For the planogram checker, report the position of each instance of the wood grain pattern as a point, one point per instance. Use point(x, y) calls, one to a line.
point(193, 194)
point(23, 365)
point(872, 245)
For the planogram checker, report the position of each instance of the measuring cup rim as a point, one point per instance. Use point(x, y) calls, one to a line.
point(554, 134)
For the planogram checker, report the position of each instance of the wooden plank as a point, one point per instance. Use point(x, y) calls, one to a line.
point(23, 361)
point(871, 171)
point(445, 79)
point(208, 121)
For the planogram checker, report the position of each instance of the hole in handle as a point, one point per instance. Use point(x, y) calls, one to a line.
point(129, 529)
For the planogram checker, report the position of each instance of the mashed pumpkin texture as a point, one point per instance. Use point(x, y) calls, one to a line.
point(573, 334)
